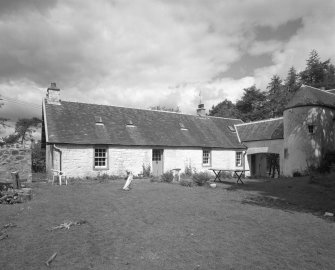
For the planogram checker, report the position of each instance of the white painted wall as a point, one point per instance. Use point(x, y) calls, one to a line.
point(271, 146)
point(180, 158)
point(300, 146)
point(77, 160)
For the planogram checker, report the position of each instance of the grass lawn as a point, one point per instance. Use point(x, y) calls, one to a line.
point(260, 225)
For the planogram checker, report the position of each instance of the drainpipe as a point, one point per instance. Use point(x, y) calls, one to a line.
point(60, 156)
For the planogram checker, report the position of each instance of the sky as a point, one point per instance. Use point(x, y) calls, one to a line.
point(143, 53)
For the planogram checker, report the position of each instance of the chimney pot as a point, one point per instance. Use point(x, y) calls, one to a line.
point(201, 111)
point(53, 95)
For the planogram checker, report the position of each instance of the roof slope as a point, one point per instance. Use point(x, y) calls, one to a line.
point(271, 129)
point(309, 96)
point(74, 123)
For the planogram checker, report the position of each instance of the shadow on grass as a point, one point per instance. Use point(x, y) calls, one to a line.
point(288, 194)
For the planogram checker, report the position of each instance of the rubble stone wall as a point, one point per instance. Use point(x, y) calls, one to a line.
point(15, 158)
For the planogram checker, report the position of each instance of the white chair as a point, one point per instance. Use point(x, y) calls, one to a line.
point(58, 174)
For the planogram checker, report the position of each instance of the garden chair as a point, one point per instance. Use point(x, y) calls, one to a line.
point(56, 174)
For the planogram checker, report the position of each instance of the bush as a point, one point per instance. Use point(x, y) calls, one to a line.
point(37, 158)
point(186, 183)
point(201, 178)
point(226, 175)
point(146, 170)
point(297, 174)
point(188, 170)
point(167, 177)
point(155, 179)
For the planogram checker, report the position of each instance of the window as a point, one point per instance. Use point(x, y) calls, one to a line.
point(232, 128)
point(100, 158)
point(311, 129)
point(238, 159)
point(206, 157)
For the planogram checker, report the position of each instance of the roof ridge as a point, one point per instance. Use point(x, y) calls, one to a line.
point(150, 110)
point(223, 117)
point(142, 109)
point(260, 121)
point(321, 90)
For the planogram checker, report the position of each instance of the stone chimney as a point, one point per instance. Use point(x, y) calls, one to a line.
point(53, 95)
point(201, 111)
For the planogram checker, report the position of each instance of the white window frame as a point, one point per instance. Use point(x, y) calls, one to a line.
point(238, 158)
point(206, 155)
point(311, 127)
point(100, 154)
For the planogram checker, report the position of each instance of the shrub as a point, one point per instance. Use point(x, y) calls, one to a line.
point(226, 175)
point(167, 177)
point(201, 178)
point(188, 170)
point(146, 170)
point(155, 179)
point(37, 158)
point(297, 174)
point(186, 183)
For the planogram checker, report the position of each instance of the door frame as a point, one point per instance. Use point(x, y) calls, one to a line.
point(162, 158)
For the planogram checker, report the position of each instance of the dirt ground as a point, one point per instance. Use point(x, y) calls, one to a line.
point(264, 224)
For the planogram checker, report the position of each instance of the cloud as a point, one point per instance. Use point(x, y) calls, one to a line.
point(130, 53)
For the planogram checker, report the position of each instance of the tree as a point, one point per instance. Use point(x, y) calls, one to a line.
point(164, 108)
point(225, 109)
point(2, 120)
point(23, 130)
point(251, 106)
point(26, 126)
point(276, 97)
point(317, 73)
point(292, 83)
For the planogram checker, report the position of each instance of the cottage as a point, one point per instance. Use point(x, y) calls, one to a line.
point(87, 139)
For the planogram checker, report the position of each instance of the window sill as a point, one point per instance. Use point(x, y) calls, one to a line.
point(100, 168)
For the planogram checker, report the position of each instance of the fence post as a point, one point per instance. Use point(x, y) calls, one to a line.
point(16, 180)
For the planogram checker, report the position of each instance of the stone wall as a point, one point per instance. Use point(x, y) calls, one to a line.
point(15, 158)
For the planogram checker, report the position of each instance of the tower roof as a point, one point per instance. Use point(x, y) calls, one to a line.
point(310, 96)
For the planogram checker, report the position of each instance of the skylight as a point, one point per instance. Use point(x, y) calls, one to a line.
point(130, 123)
point(182, 126)
point(232, 128)
point(98, 120)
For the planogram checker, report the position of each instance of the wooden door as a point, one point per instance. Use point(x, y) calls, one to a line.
point(157, 162)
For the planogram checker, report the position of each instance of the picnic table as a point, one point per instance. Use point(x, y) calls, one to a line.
point(238, 172)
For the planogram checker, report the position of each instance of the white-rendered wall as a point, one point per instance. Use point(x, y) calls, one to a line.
point(77, 160)
point(181, 158)
point(302, 147)
point(273, 146)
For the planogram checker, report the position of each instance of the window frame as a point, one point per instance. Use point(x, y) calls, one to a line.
point(106, 157)
point(240, 154)
point(309, 128)
point(209, 157)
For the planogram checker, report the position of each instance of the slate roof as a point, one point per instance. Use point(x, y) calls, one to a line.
point(270, 129)
point(309, 96)
point(331, 91)
point(75, 123)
